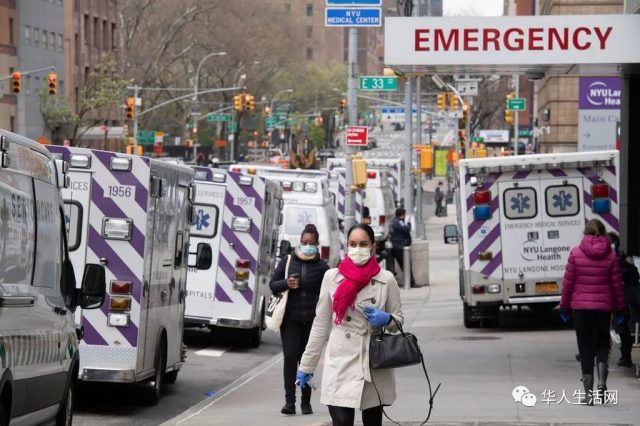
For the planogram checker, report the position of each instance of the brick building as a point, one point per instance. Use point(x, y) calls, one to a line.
point(8, 62)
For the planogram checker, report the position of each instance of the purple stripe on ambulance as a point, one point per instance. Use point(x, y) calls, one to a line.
point(607, 217)
point(248, 190)
point(91, 335)
point(611, 169)
point(595, 179)
point(477, 224)
point(221, 295)
point(117, 266)
point(230, 236)
point(523, 174)
point(469, 202)
point(484, 244)
point(493, 264)
point(557, 173)
point(57, 149)
point(229, 271)
point(109, 208)
point(125, 178)
point(237, 211)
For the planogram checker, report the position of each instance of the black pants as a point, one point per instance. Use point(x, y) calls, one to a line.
point(344, 416)
point(295, 336)
point(398, 255)
point(592, 331)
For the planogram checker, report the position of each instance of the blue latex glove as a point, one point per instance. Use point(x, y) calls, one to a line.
point(620, 320)
point(302, 379)
point(376, 317)
point(565, 316)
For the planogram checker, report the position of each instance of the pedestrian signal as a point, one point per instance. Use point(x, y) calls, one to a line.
point(237, 103)
point(441, 101)
point(131, 108)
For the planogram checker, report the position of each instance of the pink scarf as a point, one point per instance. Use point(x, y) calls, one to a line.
point(355, 279)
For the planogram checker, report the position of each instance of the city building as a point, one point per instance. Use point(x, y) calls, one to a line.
point(40, 51)
point(557, 96)
point(8, 61)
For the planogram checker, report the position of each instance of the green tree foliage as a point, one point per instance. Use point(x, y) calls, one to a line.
point(317, 136)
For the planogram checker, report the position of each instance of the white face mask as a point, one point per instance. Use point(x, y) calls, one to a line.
point(359, 255)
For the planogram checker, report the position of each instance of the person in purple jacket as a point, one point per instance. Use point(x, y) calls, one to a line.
point(592, 289)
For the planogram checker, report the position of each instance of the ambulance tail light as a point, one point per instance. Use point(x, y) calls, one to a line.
point(219, 177)
point(482, 205)
point(241, 224)
point(80, 161)
point(243, 263)
point(235, 170)
point(371, 174)
point(120, 303)
point(241, 275)
point(493, 288)
point(481, 197)
point(600, 190)
point(251, 170)
point(120, 164)
point(120, 287)
point(286, 186)
point(601, 202)
point(310, 187)
point(246, 180)
point(118, 320)
point(325, 252)
point(478, 289)
point(381, 220)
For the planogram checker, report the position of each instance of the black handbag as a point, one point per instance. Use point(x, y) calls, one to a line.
point(394, 350)
point(388, 350)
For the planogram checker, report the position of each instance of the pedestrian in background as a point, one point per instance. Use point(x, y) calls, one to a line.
point(400, 235)
point(592, 289)
point(631, 291)
point(356, 299)
point(304, 279)
point(439, 198)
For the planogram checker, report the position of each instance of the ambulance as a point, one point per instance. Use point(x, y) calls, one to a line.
point(306, 200)
point(518, 219)
point(39, 357)
point(338, 190)
point(133, 215)
point(237, 216)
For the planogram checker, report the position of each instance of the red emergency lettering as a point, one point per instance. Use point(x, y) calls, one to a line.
point(535, 35)
point(470, 36)
point(576, 38)
point(422, 36)
point(562, 40)
point(603, 37)
point(518, 39)
point(490, 35)
point(439, 39)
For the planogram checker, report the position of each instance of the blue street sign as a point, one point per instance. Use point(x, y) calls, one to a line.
point(351, 17)
point(356, 3)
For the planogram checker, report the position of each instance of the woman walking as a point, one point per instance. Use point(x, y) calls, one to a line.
point(356, 298)
point(303, 280)
point(592, 289)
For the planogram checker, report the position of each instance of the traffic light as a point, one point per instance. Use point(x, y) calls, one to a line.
point(319, 120)
point(441, 101)
point(462, 137)
point(454, 104)
point(267, 111)
point(131, 108)
point(53, 83)
point(343, 103)
point(238, 103)
point(465, 111)
point(16, 82)
point(508, 114)
point(249, 102)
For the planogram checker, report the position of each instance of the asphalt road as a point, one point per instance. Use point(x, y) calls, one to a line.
point(203, 375)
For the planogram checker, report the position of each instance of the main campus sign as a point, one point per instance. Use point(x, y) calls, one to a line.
point(513, 40)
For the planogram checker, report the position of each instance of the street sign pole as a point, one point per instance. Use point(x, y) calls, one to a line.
point(419, 224)
point(352, 106)
point(408, 129)
point(135, 120)
point(516, 116)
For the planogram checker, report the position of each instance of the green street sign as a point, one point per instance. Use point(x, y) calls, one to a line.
point(478, 139)
point(517, 104)
point(233, 127)
point(524, 133)
point(146, 137)
point(270, 122)
point(219, 117)
point(378, 83)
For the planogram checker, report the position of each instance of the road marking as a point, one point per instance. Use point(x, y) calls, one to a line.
point(210, 352)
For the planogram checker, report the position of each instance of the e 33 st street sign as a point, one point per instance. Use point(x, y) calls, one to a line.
point(378, 83)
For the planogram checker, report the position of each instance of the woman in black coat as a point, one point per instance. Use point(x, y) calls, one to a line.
point(304, 279)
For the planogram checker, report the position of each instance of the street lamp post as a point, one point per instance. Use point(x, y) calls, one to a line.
point(196, 107)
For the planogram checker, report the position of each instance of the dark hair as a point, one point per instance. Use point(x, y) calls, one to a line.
point(366, 228)
point(311, 229)
point(613, 238)
point(595, 227)
point(400, 212)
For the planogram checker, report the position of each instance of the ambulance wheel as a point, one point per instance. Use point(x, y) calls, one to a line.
point(466, 317)
point(171, 377)
point(542, 307)
point(153, 393)
point(255, 337)
point(3, 415)
point(65, 413)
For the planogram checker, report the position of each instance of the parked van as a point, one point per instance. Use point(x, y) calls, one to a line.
point(237, 216)
point(39, 358)
point(133, 215)
point(378, 203)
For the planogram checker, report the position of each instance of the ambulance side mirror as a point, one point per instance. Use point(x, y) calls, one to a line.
point(450, 234)
point(94, 286)
point(284, 249)
point(62, 168)
point(203, 257)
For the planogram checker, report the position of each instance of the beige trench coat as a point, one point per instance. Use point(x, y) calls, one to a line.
point(346, 377)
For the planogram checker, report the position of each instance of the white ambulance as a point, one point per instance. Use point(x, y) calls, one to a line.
point(237, 216)
point(39, 358)
point(518, 219)
point(131, 214)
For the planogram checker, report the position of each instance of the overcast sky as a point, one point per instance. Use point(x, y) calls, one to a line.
point(473, 7)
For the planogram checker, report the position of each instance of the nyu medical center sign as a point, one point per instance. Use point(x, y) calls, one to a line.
point(517, 40)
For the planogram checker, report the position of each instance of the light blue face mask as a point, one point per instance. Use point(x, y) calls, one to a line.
point(309, 250)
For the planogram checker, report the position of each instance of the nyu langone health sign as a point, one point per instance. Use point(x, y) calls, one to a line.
point(599, 92)
point(543, 40)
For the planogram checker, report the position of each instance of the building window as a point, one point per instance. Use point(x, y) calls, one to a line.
point(36, 36)
point(59, 42)
point(105, 35)
point(45, 39)
point(96, 33)
point(11, 29)
point(86, 75)
point(309, 31)
point(12, 123)
point(114, 33)
point(309, 54)
point(27, 34)
point(309, 9)
point(52, 40)
point(86, 29)
point(77, 49)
